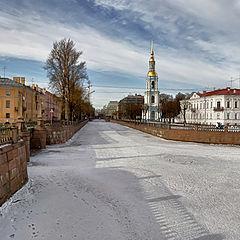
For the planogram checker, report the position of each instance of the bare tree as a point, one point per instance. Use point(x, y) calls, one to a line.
point(184, 105)
point(65, 72)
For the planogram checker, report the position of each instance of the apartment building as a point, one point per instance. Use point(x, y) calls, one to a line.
point(12, 92)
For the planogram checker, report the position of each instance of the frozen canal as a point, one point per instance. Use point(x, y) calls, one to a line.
point(110, 182)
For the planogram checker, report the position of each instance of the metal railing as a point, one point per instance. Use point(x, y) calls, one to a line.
point(30, 125)
point(182, 126)
point(8, 135)
point(218, 109)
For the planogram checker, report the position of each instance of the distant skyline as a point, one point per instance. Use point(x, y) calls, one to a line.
point(196, 43)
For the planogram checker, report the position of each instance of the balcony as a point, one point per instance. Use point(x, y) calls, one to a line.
point(218, 109)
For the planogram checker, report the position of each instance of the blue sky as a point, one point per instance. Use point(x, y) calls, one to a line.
point(196, 42)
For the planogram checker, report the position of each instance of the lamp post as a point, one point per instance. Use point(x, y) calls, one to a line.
point(51, 112)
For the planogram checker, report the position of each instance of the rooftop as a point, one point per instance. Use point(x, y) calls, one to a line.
point(9, 82)
point(226, 91)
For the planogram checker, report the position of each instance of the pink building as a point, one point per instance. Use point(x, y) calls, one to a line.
point(51, 106)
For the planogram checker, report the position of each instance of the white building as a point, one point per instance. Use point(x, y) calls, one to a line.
point(111, 109)
point(219, 107)
point(151, 111)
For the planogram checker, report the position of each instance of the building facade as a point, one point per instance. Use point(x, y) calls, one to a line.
point(13, 94)
point(130, 107)
point(52, 107)
point(111, 109)
point(151, 110)
point(219, 107)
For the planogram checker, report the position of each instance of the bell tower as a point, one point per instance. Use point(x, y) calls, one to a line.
point(151, 111)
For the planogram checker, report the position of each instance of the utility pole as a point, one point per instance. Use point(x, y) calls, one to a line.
point(231, 81)
point(89, 93)
point(4, 70)
point(238, 81)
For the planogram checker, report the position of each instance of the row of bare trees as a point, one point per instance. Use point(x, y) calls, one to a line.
point(171, 106)
point(67, 74)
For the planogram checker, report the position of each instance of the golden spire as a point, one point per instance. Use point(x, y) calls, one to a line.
point(152, 53)
point(152, 63)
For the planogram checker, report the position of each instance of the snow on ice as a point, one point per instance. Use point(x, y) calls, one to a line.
point(113, 182)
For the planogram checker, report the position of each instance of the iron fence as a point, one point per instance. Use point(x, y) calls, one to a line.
point(8, 135)
point(197, 127)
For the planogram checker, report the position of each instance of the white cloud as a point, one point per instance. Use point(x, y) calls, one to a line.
point(30, 37)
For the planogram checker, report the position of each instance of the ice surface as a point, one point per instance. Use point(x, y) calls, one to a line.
point(113, 182)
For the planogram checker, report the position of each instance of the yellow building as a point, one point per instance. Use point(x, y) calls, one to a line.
point(12, 93)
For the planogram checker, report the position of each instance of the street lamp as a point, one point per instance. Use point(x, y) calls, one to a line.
point(51, 112)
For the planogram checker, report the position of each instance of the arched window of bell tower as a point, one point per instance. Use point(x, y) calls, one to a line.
point(153, 84)
point(153, 99)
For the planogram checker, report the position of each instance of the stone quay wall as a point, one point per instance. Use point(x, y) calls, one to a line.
point(54, 134)
point(13, 168)
point(221, 136)
point(60, 134)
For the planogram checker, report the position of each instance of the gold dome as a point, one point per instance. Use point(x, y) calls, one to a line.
point(152, 59)
point(152, 74)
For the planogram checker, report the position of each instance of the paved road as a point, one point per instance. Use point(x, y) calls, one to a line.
point(112, 182)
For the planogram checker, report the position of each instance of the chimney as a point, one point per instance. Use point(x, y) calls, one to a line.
point(23, 80)
point(16, 79)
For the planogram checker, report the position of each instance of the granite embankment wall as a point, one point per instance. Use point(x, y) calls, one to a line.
point(58, 135)
point(13, 168)
point(215, 137)
point(55, 134)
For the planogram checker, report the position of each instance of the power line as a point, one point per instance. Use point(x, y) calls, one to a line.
point(169, 89)
point(4, 70)
point(141, 88)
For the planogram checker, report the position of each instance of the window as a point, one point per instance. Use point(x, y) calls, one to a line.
point(7, 103)
point(218, 116)
point(236, 116)
point(228, 104)
point(200, 105)
point(228, 115)
point(153, 99)
point(7, 115)
point(153, 115)
point(8, 92)
point(210, 115)
point(218, 104)
point(235, 104)
point(211, 104)
point(153, 84)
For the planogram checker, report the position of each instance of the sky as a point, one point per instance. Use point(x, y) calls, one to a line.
point(196, 43)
